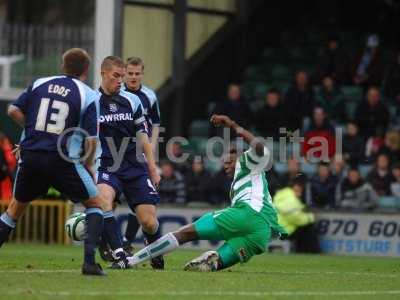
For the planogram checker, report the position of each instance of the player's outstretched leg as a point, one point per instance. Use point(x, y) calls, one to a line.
point(111, 241)
point(167, 243)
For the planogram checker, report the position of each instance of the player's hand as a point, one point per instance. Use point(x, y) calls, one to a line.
point(154, 177)
point(17, 151)
point(221, 120)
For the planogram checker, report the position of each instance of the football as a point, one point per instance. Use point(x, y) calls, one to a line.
point(75, 226)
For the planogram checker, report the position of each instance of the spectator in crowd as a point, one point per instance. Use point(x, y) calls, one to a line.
point(177, 157)
point(235, 107)
point(333, 62)
point(323, 187)
point(380, 176)
point(353, 144)
point(395, 184)
point(299, 101)
point(330, 98)
point(339, 167)
point(293, 172)
point(355, 193)
point(367, 68)
point(293, 216)
point(8, 165)
point(272, 116)
point(373, 145)
point(220, 187)
point(198, 183)
point(391, 82)
point(273, 180)
point(319, 139)
point(172, 185)
point(391, 146)
point(372, 115)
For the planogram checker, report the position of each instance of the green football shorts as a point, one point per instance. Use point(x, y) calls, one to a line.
point(246, 232)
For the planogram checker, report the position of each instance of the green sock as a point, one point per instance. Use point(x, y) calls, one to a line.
point(227, 256)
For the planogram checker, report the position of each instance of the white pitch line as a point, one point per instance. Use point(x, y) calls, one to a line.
point(199, 293)
point(370, 274)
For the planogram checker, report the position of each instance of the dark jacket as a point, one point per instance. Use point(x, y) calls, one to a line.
point(381, 184)
point(269, 119)
point(172, 190)
point(370, 118)
point(332, 103)
point(323, 192)
point(391, 82)
point(239, 111)
point(298, 104)
point(221, 185)
point(353, 149)
point(333, 63)
point(359, 196)
point(198, 186)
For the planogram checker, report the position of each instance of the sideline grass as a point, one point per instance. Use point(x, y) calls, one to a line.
point(49, 272)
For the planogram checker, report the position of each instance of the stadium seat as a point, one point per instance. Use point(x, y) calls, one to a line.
point(365, 169)
point(389, 203)
point(354, 93)
point(198, 144)
point(351, 107)
point(280, 167)
point(309, 169)
point(213, 166)
point(199, 128)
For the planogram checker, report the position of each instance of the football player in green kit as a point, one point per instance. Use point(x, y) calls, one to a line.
point(247, 226)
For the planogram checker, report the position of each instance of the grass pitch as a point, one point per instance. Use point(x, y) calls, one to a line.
point(50, 272)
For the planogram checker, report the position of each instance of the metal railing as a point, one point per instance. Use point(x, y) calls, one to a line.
point(41, 47)
point(43, 222)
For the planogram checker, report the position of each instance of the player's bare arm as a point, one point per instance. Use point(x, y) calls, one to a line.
point(225, 121)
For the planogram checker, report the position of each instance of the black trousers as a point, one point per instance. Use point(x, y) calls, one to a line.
point(306, 239)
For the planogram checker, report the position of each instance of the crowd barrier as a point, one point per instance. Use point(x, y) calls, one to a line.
point(43, 222)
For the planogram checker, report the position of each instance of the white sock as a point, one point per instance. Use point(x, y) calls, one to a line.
point(163, 245)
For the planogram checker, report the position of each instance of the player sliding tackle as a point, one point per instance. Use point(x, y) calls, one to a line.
point(246, 227)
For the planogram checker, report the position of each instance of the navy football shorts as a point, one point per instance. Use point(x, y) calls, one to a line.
point(137, 189)
point(40, 170)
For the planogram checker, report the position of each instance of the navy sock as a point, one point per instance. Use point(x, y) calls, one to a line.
point(111, 232)
point(94, 229)
point(132, 228)
point(152, 237)
point(7, 224)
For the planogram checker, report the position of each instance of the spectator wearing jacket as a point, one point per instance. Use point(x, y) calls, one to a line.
point(198, 183)
point(293, 216)
point(353, 144)
point(380, 176)
point(319, 139)
point(331, 99)
point(333, 62)
point(323, 187)
point(272, 116)
point(172, 185)
point(372, 115)
point(356, 194)
point(299, 101)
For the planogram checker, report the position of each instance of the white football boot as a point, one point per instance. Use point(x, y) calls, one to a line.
point(207, 262)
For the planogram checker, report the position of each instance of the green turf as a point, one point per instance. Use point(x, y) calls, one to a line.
point(52, 272)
